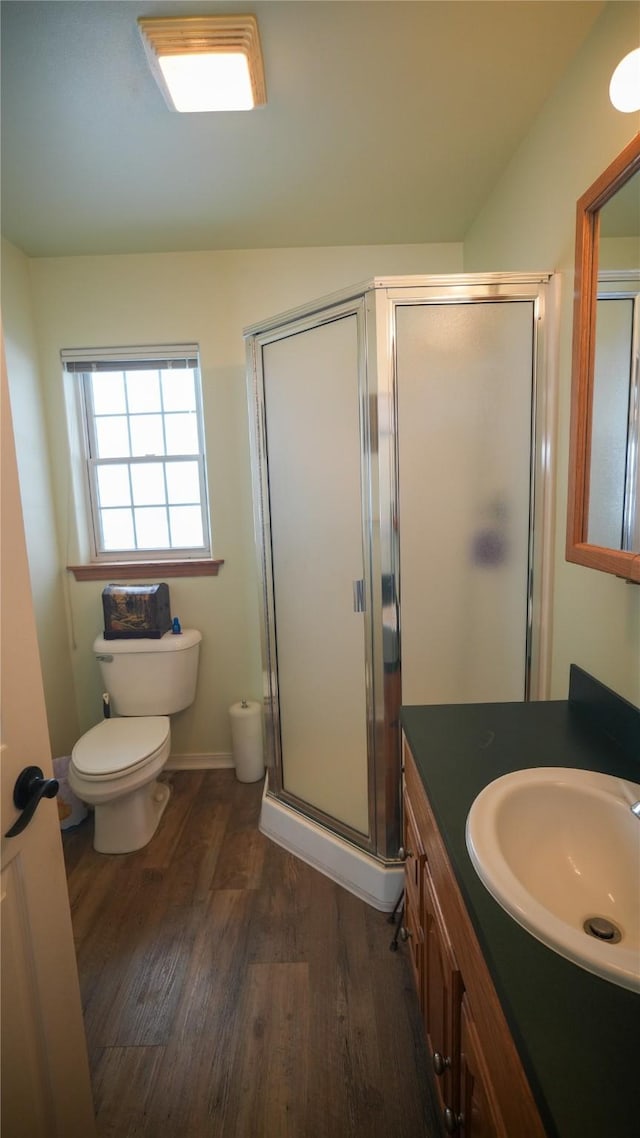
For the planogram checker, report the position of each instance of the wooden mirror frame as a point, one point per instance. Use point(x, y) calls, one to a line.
point(621, 562)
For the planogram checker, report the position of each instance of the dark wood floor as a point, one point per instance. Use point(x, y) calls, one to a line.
point(230, 991)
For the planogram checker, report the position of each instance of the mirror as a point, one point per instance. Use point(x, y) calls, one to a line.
point(603, 518)
point(614, 471)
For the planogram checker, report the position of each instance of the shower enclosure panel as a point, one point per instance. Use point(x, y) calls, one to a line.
point(464, 376)
point(401, 442)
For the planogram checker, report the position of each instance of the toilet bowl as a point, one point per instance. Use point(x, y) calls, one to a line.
point(114, 768)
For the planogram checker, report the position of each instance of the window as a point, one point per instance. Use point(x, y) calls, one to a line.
point(141, 413)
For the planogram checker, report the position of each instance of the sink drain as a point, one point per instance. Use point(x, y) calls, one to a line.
point(602, 929)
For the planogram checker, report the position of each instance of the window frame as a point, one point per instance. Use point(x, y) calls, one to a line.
point(83, 364)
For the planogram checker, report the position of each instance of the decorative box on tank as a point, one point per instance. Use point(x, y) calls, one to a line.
point(136, 611)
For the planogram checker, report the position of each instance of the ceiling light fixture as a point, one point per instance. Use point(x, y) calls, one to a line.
point(624, 89)
point(206, 63)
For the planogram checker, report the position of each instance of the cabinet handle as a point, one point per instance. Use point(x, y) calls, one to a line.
point(403, 854)
point(441, 1063)
point(405, 933)
point(452, 1122)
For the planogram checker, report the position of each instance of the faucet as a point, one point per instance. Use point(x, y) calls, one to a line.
point(629, 791)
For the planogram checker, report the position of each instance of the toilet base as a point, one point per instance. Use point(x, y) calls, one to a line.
point(126, 824)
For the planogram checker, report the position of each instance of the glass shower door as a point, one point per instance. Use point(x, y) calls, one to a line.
point(312, 426)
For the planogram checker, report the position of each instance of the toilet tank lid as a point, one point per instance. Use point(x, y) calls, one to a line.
point(170, 642)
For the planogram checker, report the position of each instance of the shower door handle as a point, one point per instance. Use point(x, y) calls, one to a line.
point(358, 596)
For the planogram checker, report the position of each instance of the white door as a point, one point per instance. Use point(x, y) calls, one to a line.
point(315, 500)
point(45, 1075)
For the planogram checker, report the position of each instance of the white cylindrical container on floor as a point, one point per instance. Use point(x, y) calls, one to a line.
point(71, 811)
point(246, 740)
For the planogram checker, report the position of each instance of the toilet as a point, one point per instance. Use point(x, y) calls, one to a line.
point(115, 766)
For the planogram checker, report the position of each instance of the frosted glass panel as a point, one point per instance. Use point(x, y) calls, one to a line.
point(182, 434)
point(112, 437)
point(183, 482)
point(313, 442)
point(186, 525)
point(117, 529)
point(464, 375)
point(146, 434)
point(148, 484)
point(143, 391)
point(152, 530)
point(178, 390)
point(108, 393)
point(113, 486)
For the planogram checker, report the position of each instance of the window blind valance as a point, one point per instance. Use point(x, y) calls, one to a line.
point(129, 359)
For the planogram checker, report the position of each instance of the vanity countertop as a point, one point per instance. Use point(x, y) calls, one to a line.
point(578, 1035)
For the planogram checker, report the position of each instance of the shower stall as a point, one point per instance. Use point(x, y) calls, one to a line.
point(401, 447)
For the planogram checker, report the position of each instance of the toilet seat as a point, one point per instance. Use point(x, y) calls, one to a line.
point(120, 746)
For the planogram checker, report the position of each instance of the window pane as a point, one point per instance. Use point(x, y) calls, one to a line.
point(183, 482)
point(117, 529)
point(182, 434)
point(148, 484)
point(143, 391)
point(146, 434)
point(178, 390)
point(107, 388)
point(151, 528)
point(186, 526)
point(113, 485)
point(112, 437)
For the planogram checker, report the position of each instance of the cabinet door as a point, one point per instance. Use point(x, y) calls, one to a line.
point(479, 1116)
point(413, 908)
point(413, 935)
point(413, 849)
point(443, 992)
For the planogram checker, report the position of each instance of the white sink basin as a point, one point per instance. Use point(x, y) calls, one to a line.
point(558, 847)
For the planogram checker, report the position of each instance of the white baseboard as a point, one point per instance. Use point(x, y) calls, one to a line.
point(361, 873)
point(199, 762)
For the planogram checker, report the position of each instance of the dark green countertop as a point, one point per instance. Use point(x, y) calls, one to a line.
point(578, 1035)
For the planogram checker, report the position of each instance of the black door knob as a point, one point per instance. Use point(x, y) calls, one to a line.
point(31, 786)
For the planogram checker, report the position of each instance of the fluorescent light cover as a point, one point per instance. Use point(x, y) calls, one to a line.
point(215, 81)
point(206, 63)
point(624, 89)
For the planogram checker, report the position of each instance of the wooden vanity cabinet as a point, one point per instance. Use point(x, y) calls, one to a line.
point(482, 1087)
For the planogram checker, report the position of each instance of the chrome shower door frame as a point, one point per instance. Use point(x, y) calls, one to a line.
point(374, 304)
point(257, 338)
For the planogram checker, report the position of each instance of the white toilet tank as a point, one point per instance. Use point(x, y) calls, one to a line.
point(150, 677)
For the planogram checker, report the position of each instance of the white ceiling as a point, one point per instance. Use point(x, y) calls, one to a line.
point(386, 122)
